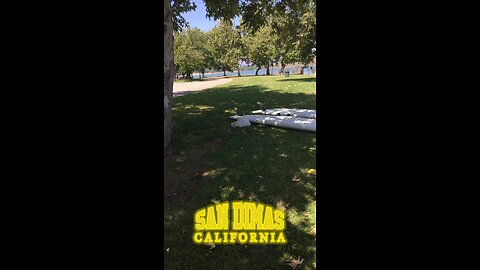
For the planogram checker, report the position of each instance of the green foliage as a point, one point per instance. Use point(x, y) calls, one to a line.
point(295, 32)
point(190, 51)
point(254, 12)
point(261, 47)
point(226, 45)
point(285, 28)
point(179, 7)
point(226, 9)
point(306, 38)
point(271, 32)
point(279, 31)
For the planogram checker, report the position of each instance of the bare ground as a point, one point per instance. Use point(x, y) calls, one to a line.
point(182, 88)
point(185, 171)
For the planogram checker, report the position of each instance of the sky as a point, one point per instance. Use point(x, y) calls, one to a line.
point(198, 17)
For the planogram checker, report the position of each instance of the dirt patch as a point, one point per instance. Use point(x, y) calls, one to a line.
point(185, 171)
point(182, 88)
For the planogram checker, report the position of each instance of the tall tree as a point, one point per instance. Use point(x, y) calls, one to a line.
point(190, 51)
point(227, 47)
point(240, 46)
point(170, 23)
point(168, 74)
point(201, 45)
point(285, 28)
point(305, 41)
point(295, 33)
point(260, 47)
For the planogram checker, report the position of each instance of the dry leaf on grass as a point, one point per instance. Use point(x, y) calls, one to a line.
point(312, 171)
point(313, 232)
point(294, 263)
point(211, 245)
point(295, 179)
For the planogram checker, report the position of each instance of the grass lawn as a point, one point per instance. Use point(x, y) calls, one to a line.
point(213, 162)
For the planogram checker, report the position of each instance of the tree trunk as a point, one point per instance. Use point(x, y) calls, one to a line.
point(224, 74)
point(168, 72)
point(268, 69)
point(282, 69)
point(203, 74)
point(256, 72)
point(239, 72)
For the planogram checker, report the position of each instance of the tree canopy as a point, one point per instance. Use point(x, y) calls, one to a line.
point(190, 51)
point(253, 12)
point(177, 8)
point(273, 31)
point(261, 47)
point(226, 45)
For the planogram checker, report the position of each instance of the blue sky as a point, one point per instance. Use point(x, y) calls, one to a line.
point(198, 17)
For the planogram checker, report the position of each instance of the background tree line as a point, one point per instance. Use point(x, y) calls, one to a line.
point(283, 39)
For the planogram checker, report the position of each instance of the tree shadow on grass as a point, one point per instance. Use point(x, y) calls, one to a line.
point(311, 79)
point(258, 163)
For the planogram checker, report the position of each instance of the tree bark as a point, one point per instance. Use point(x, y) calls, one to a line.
point(239, 72)
point(268, 69)
point(224, 74)
point(282, 69)
point(168, 72)
point(256, 72)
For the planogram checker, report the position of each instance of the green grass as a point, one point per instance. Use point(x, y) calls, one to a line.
point(213, 162)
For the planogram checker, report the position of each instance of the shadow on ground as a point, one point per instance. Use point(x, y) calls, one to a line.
point(213, 162)
point(310, 79)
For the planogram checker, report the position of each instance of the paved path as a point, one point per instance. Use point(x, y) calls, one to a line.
point(180, 89)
